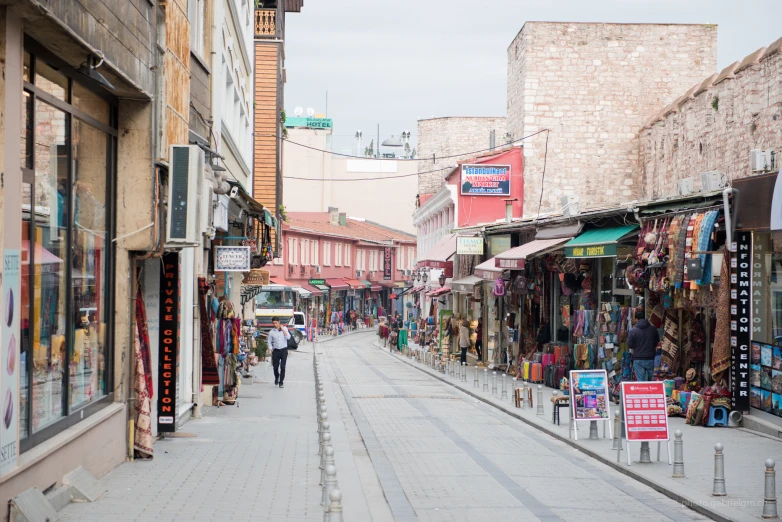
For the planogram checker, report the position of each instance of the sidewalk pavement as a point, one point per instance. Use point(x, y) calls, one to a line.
point(257, 461)
point(745, 452)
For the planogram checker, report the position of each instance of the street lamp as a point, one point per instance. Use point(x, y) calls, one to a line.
point(425, 277)
point(441, 280)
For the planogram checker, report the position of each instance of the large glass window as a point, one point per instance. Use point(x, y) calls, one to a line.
point(67, 149)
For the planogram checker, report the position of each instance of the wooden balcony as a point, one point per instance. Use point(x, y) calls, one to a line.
point(266, 23)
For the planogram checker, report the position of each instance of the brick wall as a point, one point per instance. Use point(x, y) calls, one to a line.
point(594, 86)
point(715, 124)
point(449, 136)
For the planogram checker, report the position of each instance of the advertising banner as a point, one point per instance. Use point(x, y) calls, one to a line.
point(646, 413)
point(169, 344)
point(589, 398)
point(9, 382)
point(232, 259)
point(485, 180)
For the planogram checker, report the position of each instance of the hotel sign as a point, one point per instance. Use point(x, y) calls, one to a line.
point(485, 180)
point(741, 322)
point(608, 250)
point(387, 271)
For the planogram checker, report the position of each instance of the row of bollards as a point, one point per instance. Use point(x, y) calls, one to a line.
point(332, 497)
point(481, 380)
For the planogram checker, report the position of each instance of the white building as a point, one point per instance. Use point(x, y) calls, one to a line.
point(232, 88)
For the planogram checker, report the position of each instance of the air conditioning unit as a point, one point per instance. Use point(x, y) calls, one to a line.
point(302, 270)
point(713, 180)
point(570, 206)
point(207, 211)
point(358, 273)
point(317, 269)
point(761, 160)
point(686, 187)
point(184, 188)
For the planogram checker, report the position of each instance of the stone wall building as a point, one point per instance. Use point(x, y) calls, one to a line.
point(450, 136)
point(594, 86)
point(714, 125)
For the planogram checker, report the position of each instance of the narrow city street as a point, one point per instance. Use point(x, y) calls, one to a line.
point(408, 447)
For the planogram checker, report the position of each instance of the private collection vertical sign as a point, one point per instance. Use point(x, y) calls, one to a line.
point(387, 275)
point(741, 323)
point(169, 343)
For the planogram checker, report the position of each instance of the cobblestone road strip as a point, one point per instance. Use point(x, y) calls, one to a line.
point(459, 460)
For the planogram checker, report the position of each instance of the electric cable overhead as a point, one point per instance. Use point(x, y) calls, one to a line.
point(543, 176)
point(372, 179)
point(433, 158)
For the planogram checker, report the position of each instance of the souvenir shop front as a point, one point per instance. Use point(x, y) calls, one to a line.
point(488, 273)
point(335, 307)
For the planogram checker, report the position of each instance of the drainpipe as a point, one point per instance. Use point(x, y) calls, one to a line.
point(730, 222)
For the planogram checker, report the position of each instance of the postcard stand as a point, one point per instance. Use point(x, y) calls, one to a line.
point(593, 376)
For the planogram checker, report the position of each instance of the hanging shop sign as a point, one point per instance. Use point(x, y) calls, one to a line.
point(310, 123)
point(256, 277)
point(469, 246)
point(169, 344)
point(387, 275)
point(589, 397)
point(232, 259)
point(608, 250)
point(485, 180)
point(317, 282)
point(741, 321)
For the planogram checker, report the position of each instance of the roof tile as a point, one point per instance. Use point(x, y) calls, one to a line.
point(320, 223)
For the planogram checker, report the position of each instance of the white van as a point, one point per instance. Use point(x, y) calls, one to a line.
point(298, 326)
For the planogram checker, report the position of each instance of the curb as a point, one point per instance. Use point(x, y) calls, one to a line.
point(328, 338)
point(691, 504)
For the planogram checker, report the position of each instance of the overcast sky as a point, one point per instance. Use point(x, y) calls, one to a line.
point(393, 62)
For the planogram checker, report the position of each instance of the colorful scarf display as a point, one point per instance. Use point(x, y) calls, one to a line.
point(143, 441)
point(720, 358)
point(209, 375)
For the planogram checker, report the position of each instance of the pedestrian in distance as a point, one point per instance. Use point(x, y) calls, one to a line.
point(642, 341)
point(464, 339)
point(479, 338)
point(278, 342)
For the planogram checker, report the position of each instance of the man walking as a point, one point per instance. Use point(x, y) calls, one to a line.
point(642, 341)
point(278, 341)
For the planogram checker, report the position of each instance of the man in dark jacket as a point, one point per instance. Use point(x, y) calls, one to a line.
point(642, 341)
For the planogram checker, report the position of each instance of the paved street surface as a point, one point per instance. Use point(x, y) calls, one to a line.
point(408, 447)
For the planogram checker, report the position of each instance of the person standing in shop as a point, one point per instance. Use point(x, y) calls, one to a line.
point(464, 339)
point(278, 342)
point(642, 341)
point(479, 338)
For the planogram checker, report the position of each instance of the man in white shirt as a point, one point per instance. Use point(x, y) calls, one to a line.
point(278, 342)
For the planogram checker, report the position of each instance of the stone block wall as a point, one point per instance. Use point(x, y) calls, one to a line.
point(715, 124)
point(450, 136)
point(594, 86)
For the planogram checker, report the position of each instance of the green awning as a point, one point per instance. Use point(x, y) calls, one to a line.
point(367, 283)
point(598, 242)
point(268, 218)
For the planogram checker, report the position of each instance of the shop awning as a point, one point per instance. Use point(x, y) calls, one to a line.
point(268, 218)
point(303, 292)
point(366, 283)
point(440, 291)
point(560, 231)
point(418, 288)
point(281, 282)
point(514, 258)
point(387, 284)
point(598, 242)
point(316, 292)
point(375, 288)
point(439, 256)
point(337, 284)
point(355, 284)
point(42, 256)
point(487, 270)
point(323, 288)
point(465, 285)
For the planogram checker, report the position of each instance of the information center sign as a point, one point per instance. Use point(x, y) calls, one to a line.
point(646, 414)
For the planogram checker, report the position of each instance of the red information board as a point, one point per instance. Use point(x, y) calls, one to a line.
point(646, 414)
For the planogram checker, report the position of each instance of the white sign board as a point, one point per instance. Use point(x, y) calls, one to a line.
point(232, 259)
point(469, 246)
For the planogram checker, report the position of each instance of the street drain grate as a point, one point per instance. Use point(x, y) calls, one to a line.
point(449, 397)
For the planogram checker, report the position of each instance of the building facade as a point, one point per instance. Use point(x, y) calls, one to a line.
point(593, 86)
point(379, 190)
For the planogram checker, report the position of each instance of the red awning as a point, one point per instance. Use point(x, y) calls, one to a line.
point(387, 284)
point(514, 258)
point(375, 288)
point(282, 282)
point(314, 291)
point(439, 256)
point(355, 284)
point(337, 284)
point(487, 270)
point(440, 291)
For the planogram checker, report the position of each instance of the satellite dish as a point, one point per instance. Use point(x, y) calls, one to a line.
point(298, 111)
point(310, 112)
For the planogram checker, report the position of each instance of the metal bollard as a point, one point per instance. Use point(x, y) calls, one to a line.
point(540, 401)
point(494, 383)
point(504, 394)
point(475, 382)
point(719, 472)
point(486, 380)
point(330, 484)
point(646, 454)
point(464, 372)
point(617, 436)
point(327, 460)
point(334, 512)
point(770, 494)
point(678, 455)
point(325, 443)
point(593, 430)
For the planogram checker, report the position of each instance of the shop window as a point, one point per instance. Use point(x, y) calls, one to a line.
point(195, 14)
point(66, 256)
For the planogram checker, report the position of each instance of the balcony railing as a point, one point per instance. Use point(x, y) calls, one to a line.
point(266, 23)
